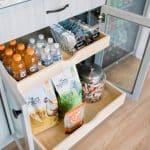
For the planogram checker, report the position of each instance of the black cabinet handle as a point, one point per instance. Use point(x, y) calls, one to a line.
point(16, 113)
point(57, 10)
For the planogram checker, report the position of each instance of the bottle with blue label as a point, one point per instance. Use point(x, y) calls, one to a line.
point(56, 52)
point(46, 58)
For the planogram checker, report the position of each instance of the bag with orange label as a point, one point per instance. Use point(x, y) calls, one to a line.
point(74, 118)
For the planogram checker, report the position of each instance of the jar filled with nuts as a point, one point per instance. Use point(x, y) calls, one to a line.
point(93, 80)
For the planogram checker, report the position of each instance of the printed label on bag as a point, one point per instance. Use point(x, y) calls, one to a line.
point(33, 68)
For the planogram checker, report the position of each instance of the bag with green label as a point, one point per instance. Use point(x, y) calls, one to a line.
point(69, 89)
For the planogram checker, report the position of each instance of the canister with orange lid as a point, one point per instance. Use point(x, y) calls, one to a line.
point(21, 49)
point(13, 45)
point(7, 59)
point(31, 61)
point(18, 67)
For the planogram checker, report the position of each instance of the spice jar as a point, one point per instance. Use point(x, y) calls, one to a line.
point(93, 80)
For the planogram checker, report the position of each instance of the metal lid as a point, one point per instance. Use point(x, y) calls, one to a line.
point(91, 73)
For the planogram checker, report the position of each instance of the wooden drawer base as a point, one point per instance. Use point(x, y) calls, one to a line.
point(55, 138)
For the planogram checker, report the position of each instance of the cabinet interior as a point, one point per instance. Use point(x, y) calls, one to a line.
point(53, 136)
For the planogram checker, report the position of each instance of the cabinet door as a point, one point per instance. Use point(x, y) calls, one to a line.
point(125, 28)
point(20, 19)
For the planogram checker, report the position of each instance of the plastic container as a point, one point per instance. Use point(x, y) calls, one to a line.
point(32, 43)
point(39, 49)
point(31, 61)
point(18, 67)
point(93, 81)
point(13, 45)
point(2, 50)
point(56, 52)
point(21, 49)
point(41, 40)
point(46, 58)
point(7, 59)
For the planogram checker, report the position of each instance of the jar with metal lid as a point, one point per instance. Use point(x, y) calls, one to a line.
point(93, 80)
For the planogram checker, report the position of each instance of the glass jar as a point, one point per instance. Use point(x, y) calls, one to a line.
point(93, 81)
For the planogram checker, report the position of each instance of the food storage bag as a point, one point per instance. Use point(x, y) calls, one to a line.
point(42, 106)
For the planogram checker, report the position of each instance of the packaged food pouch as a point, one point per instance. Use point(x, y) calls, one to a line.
point(43, 107)
point(69, 89)
point(74, 118)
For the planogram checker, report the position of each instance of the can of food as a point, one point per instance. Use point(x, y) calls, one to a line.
point(93, 81)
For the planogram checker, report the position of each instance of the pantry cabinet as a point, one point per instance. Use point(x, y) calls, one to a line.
point(94, 114)
point(40, 14)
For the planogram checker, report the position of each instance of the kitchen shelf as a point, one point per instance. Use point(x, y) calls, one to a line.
point(95, 113)
point(54, 69)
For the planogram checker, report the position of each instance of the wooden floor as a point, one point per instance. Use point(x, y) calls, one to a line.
point(126, 129)
point(124, 74)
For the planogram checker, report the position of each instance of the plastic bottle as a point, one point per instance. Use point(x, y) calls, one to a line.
point(2, 50)
point(32, 43)
point(41, 40)
point(21, 49)
point(13, 45)
point(50, 41)
point(31, 61)
point(46, 58)
point(39, 49)
point(50, 44)
point(7, 59)
point(18, 67)
point(56, 52)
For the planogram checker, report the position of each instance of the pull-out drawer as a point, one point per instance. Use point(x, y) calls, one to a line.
point(47, 72)
point(56, 11)
point(55, 138)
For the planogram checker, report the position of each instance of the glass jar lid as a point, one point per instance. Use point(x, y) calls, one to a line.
point(91, 73)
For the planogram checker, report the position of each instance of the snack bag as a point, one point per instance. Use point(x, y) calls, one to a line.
point(43, 107)
point(74, 118)
point(69, 89)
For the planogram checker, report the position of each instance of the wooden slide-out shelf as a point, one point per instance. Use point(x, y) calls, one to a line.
point(54, 69)
point(55, 138)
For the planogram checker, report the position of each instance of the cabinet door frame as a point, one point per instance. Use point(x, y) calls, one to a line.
point(140, 20)
point(7, 112)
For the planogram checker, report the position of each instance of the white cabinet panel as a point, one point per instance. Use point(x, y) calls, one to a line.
point(75, 7)
point(4, 130)
point(21, 19)
point(53, 5)
point(96, 3)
